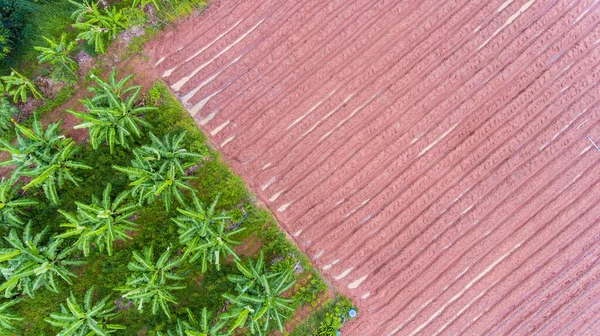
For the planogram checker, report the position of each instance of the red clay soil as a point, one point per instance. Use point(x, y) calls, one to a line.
point(429, 156)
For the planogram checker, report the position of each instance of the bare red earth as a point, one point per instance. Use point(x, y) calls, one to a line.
point(430, 157)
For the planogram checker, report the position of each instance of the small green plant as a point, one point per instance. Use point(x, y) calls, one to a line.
point(7, 318)
point(58, 55)
point(19, 87)
point(97, 26)
point(144, 3)
point(11, 205)
point(88, 318)
point(5, 43)
point(29, 264)
point(100, 223)
point(193, 326)
point(85, 10)
point(151, 281)
point(7, 112)
point(310, 291)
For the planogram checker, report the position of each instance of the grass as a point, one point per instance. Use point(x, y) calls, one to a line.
point(335, 309)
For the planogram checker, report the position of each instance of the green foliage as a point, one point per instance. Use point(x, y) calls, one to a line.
point(151, 281)
point(194, 221)
point(193, 326)
point(258, 300)
point(35, 19)
point(134, 17)
point(97, 26)
point(12, 20)
point(58, 55)
point(58, 100)
point(19, 87)
point(100, 223)
point(11, 205)
point(7, 112)
point(327, 320)
point(113, 114)
point(46, 156)
point(6, 317)
point(5, 41)
point(158, 170)
point(192, 289)
point(144, 3)
point(76, 319)
point(203, 233)
point(214, 246)
point(310, 291)
point(29, 264)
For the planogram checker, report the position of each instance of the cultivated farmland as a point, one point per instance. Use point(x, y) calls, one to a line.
point(430, 157)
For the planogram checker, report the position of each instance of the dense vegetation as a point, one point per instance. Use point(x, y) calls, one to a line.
point(143, 229)
point(153, 263)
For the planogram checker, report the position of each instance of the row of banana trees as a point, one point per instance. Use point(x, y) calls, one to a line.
point(46, 162)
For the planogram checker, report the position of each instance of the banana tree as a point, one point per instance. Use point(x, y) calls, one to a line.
point(213, 247)
point(170, 152)
point(29, 264)
point(7, 318)
point(259, 299)
point(151, 282)
point(19, 86)
point(195, 327)
point(7, 112)
point(57, 54)
point(45, 156)
point(97, 26)
point(195, 220)
point(11, 205)
point(106, 90)
point(87, 319)
point(113, 115)
point(158, 170)
point(94, 35)
point(100, 223)
point(85, 10)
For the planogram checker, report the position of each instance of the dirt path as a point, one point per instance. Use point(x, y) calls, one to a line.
point(431, 157)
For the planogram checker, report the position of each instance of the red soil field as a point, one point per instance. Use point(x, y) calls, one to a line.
point(431, 157)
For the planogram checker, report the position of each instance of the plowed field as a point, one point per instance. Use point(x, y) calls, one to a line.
point(431, 157)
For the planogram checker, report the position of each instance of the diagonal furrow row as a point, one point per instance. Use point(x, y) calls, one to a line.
point(436, 227)
point(356, 123)
point(240, 80)
point(462, 265)
point(556, 228)
point(373, 66)
point(550, 284)
point(327, 204)
point(371, 224)
point(317, 50)
point(168, 52)
point(447, 181)
point(411, 99)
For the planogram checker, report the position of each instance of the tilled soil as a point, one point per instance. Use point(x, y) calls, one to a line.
point(430, 157)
